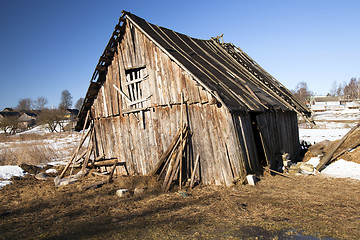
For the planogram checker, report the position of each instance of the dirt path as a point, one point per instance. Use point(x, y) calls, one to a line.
point(276, 208)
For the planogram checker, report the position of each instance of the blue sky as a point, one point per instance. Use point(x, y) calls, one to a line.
point(49, 46)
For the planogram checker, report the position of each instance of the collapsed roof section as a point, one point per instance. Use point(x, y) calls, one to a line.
point(223, 69)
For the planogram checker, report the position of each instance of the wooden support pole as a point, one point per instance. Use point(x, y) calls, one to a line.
point(79, 146)
point(112, 171)
point(181, 140)
point(194, 172)
point(89, 150)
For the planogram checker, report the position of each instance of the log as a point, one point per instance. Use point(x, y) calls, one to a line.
point(106, 163)
point(328, 156)
point(194, 171)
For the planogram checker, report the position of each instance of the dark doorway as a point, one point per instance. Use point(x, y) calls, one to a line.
point(259, 143)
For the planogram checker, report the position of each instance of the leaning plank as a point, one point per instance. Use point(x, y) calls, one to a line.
point(176, 166)
point(345, 150)
point(194, 171)
point(329, 156)
point(165, 155)
point(76, 152)
point(89, 150)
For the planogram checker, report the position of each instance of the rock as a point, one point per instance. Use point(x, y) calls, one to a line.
point(67, 181)
point(42, 176)
point(184, 194)
point(305, 167)
point(64, 181)
point(52, 171)
point(122, 192)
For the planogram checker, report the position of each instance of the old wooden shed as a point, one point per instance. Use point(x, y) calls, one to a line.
point(241, 118)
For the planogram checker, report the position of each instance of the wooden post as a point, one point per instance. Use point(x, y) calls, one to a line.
point(112, 171)
point(181, 140)
point(194, 171)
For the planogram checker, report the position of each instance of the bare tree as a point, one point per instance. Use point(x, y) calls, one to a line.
point(79, 103)
point(333, 89)
point(40, 103)
point(302, 92)
point(9, 124)
point(351, 90)
point(66, 100)
point(24, 104)
point(52, 118)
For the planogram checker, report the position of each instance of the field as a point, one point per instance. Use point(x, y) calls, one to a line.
point(293, 207)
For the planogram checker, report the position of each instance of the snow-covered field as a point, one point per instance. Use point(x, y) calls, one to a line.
point(331, 125)
point(54, 147)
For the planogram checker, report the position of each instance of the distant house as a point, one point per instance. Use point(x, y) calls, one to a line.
point(4, 114)
point(351, 104)
point(8, 110)
point(71, 114)
point(320, 104)
point(27, 119)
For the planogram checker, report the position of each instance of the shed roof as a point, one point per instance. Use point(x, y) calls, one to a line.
point(225, 70)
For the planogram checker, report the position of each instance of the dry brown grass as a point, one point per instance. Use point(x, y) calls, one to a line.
point(33, 149)
point(276, 208)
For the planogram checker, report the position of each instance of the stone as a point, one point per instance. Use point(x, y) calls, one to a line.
point(64, 181)
point(42, 176)
point(122, 192)
point(305, 167)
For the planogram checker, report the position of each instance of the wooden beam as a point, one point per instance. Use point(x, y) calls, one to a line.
point(122, 93)
point(137, 80)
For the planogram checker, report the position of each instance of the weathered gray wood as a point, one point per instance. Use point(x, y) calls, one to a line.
point(194, 171)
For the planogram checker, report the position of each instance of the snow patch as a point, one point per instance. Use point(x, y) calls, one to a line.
point(343, 169)
point(7, 172)
point(51, 170)
point(317, 135)
point(339, 169)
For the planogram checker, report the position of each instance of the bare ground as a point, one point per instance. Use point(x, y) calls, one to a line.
point(276, 208)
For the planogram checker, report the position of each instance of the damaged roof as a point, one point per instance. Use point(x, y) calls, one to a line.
point(225, 70)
